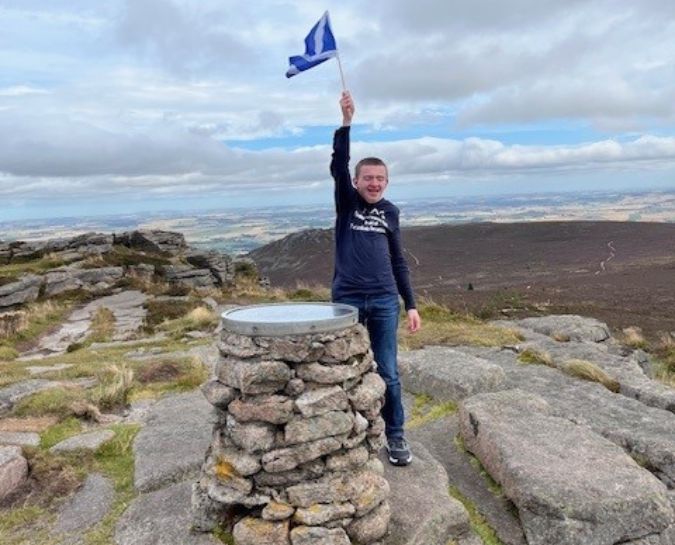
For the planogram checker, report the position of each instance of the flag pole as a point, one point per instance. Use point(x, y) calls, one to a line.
point(342, 75)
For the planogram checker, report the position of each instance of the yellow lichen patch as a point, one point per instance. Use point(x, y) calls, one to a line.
point(224, 470)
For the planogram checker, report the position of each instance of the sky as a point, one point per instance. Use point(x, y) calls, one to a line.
point(121, 106)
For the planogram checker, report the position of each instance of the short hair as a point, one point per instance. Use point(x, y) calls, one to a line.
point(372, 161)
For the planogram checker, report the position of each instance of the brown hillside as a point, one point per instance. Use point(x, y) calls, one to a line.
point(620, 272)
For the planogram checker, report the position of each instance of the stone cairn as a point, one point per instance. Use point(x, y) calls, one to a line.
point(293, 460)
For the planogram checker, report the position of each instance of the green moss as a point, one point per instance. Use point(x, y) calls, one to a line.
point(115, 459)
point(425, 410)
point(8, 353)
point(223, 535)
point(477, 521)
point(55, 401)
point(58, 432)
point(17, 269)
point(492, 485)
point(12, 519)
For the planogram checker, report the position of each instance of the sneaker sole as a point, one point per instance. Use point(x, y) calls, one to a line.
point(400, 463)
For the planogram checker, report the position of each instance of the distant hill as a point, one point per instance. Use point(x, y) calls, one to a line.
point(620, 272)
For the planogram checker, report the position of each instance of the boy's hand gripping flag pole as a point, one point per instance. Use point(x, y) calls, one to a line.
point(319, 47)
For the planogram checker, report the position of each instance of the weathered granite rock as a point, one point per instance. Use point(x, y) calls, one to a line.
point(72, 278)
point(220, 265)
point(275, 510)
point(160, 518)
point(320, 513)
point(568, 326)
point(305, 472)
point(448, 374)
point(188, 276)
point(154, 241)
point(171, 444)
point(372, 526)
point(336, 374)
point(255, 531)
point(42, 369)
point(86, 441)
point(288, 458)
point(304, 430)
point(25, 290)
point(20, 439)
point(644, 432)
point(275, 409)
point(571, 486)
point(368, 393)
point(87, 507)
point(343, 348)
point(312, 535)
point(13, 470)
point(260, 377)
point(239, 346)
point(322, 400)
point(9, 395)
point(217, 393)
point(350, 460)
point(252, 437)
point(423, 513)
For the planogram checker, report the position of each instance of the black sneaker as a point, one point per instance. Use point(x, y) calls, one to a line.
point(399, 452)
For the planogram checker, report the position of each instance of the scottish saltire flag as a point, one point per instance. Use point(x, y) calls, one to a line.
point(319, 47)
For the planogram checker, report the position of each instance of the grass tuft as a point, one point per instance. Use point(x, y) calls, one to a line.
point(477, 521)
point(55, 401)
point(102, 325)
point(58, 432)
point(115, 382)
point(633, 338)
point(587, 370)
point(441, 326)
point(532, 356)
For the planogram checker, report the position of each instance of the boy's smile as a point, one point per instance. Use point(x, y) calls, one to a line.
point(371, 182)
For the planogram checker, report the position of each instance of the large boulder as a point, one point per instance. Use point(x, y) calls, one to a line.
point(570, 485)
point(13, 470)
point(154, 241)
point(188, 276)
point(72, 278)
point(423, 513)
point(220, 265)
point(447, 374)
point(568, 326)
point(25, 290)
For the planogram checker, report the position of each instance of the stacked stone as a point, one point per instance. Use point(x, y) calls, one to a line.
point(293, 459)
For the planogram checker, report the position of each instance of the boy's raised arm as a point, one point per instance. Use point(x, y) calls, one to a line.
point(339, 166)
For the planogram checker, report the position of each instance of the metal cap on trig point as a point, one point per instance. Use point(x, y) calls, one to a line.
point(279, 319)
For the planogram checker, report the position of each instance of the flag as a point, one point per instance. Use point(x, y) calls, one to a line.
point(319, 47)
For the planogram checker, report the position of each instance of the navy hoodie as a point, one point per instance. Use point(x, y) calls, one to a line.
point(368, 252)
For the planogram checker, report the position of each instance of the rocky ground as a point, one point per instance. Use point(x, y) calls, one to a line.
point(552, 434)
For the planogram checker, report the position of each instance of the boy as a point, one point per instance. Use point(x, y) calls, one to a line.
point(370, 270)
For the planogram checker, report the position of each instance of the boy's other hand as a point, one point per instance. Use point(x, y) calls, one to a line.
point(347, 106)
point(414, 320)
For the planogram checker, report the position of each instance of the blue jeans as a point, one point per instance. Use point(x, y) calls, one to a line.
point(379, 313)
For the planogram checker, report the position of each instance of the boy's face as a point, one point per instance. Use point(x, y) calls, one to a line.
point(371, 182)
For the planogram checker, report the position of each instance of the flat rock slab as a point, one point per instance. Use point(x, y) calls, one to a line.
point(571, 486)
point(87, 507)
point(569, 326)
point(86, 441)
point(13, 470)
point(9, 395)
point(626, 368)
point(126, 306)
point(642, 431)
point(21, 439)
point(447, 374)
point(161, 518)
point(438, 437)
point(422, 511)
point(174, 440)
point(41, 369)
